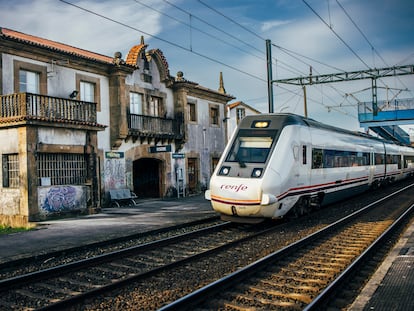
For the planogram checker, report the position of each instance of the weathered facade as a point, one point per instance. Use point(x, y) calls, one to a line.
point(76, 124)
point(235, 113)
point(205, 129)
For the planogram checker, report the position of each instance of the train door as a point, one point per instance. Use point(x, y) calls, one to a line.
point(301, 168)
point(306, 161)
point(371, 172)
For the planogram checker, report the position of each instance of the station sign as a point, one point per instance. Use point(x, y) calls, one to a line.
point(178, 156)
point(156, 149)
point(114, 155)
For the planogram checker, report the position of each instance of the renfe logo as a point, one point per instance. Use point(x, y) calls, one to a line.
point(235, 188)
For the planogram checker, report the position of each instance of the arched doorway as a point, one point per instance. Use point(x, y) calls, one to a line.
point(147, 177)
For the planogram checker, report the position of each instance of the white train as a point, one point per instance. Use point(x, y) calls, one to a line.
point(284, 163)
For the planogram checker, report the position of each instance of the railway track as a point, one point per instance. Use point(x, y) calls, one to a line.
point(48, 260)
point(148, 279)
point(305, 275)
point(61, 286)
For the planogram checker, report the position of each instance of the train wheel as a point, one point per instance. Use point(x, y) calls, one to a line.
point(301, 208)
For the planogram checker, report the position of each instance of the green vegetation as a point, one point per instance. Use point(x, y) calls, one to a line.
point(7, 230)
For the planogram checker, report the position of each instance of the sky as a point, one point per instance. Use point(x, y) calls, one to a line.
point(202, 38)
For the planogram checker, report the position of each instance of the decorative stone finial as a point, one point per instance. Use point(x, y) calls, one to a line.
point(221, 87)
point(180, 76)
point(118, 58)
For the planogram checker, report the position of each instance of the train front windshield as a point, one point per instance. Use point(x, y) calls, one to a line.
point(251, 146)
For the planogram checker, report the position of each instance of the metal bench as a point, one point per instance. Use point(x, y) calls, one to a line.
point(121, 196)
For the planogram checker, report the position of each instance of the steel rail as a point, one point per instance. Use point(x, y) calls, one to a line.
point(105, 243)
point(192, 299)
point(69, 302)
point(318, 302)
point(5, 284)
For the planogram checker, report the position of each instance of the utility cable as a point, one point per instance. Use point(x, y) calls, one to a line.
point(286, 51)
point(336, 34)
point(366, 39)
point(173, 44)
point(285, 65)
point(195, 28)
point(163, 40)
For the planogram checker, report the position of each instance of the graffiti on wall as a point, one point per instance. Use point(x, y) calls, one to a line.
point(59, 199)
point(114, 170)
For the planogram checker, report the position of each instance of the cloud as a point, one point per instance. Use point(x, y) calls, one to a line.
point(269, 25)
point(64, 23)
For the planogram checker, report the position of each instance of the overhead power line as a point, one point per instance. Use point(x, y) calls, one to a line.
point(164, 40)
point(232, 20)
point(195, 28)
point(362, 34)
point(336, 34)
point(177, 45)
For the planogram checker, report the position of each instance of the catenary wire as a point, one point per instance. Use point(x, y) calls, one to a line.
point(175, 45)
point(368, 41)
point(286, 51)
point(336, 34)
point(164, 40)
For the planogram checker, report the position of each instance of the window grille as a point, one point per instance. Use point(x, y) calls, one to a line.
point(62, 168)
point(11, 170)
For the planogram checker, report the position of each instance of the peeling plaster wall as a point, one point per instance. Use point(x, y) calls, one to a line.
point(61, 136)
point(9, 197)
point(204, 139)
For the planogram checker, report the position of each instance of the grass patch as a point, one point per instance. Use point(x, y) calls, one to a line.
point(8, 230)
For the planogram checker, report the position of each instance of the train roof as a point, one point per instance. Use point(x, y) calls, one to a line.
point(284, 119)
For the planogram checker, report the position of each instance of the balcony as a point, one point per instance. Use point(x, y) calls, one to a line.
point(28, 107)
point(148, 127)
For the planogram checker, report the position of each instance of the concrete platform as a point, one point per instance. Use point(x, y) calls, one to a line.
point(110, 223)
point(392, 286)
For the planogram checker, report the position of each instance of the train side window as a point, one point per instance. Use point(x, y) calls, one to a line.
point(317, 158)
point(304, 155)
point(379, 158)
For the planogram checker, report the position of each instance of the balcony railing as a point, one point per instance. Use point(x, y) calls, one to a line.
point(28, 106)
point(149, 126)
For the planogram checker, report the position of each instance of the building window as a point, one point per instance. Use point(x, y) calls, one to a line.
point(192, 113)
point(240, 114)
point(10, 170)
point(30, 78)
point(29, 82)
point(135, 103)
point(87, 91)
point(155, 106)
point(214, 115)
point(61, 169)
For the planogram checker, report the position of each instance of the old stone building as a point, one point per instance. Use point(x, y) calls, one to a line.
point(236, 111)
point(75, 124)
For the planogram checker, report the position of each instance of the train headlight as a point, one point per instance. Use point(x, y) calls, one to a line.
point(257, 172)
point(224, 171)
